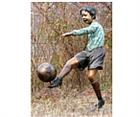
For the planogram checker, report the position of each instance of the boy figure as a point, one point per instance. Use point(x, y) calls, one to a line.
point(92, 57)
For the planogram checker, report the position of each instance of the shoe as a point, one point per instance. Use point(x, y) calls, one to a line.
point(55, 83)
point(100, 104)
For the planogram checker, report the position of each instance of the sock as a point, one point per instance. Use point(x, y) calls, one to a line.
point(96, 87)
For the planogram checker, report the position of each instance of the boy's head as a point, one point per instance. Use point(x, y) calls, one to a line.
point(90, 10)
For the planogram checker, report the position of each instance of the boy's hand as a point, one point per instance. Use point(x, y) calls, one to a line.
point(66, 34)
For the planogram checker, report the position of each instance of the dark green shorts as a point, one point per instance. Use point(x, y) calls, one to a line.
point(93, 59)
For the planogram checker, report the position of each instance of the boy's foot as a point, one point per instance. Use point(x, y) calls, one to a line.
point(55, 83)
point(100, 104)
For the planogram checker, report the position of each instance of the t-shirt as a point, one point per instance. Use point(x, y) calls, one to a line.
point(95, 35)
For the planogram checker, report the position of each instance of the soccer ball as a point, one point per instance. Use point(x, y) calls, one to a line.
point(46, 72)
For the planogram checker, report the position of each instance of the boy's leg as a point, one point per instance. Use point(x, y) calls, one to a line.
point(96, 86)
point(70, 64)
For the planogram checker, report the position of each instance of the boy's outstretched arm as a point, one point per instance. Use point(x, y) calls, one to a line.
point(67, 34)
point(82, 31)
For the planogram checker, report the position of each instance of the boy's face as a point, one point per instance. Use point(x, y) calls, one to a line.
point(86, 17)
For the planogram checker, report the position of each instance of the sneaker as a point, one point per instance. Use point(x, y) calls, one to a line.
point(100, 104)
point(55, 83)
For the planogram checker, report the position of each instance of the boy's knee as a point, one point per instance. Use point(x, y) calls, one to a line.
point(68, 63)
point(91, 77)
point(71, 63)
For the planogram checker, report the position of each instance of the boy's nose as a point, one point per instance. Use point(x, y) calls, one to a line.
point(84, 18)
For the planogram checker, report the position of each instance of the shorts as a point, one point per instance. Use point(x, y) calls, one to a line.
point(91, 59)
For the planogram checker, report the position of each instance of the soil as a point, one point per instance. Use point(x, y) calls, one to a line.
point(55, 103)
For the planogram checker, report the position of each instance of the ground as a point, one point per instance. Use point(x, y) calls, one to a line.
point(55, 103)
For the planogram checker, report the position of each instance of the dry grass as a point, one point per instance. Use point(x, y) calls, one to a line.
point(55, 103)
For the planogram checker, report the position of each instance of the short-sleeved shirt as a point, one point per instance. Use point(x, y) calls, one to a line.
point(95, 35)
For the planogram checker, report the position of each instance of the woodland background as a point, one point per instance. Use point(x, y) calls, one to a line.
point(48, 21)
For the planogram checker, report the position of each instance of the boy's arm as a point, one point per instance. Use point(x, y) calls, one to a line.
point(67, 34)
point(84, 31)
point(80, 32)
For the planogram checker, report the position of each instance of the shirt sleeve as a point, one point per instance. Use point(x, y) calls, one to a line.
point(83, 31)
